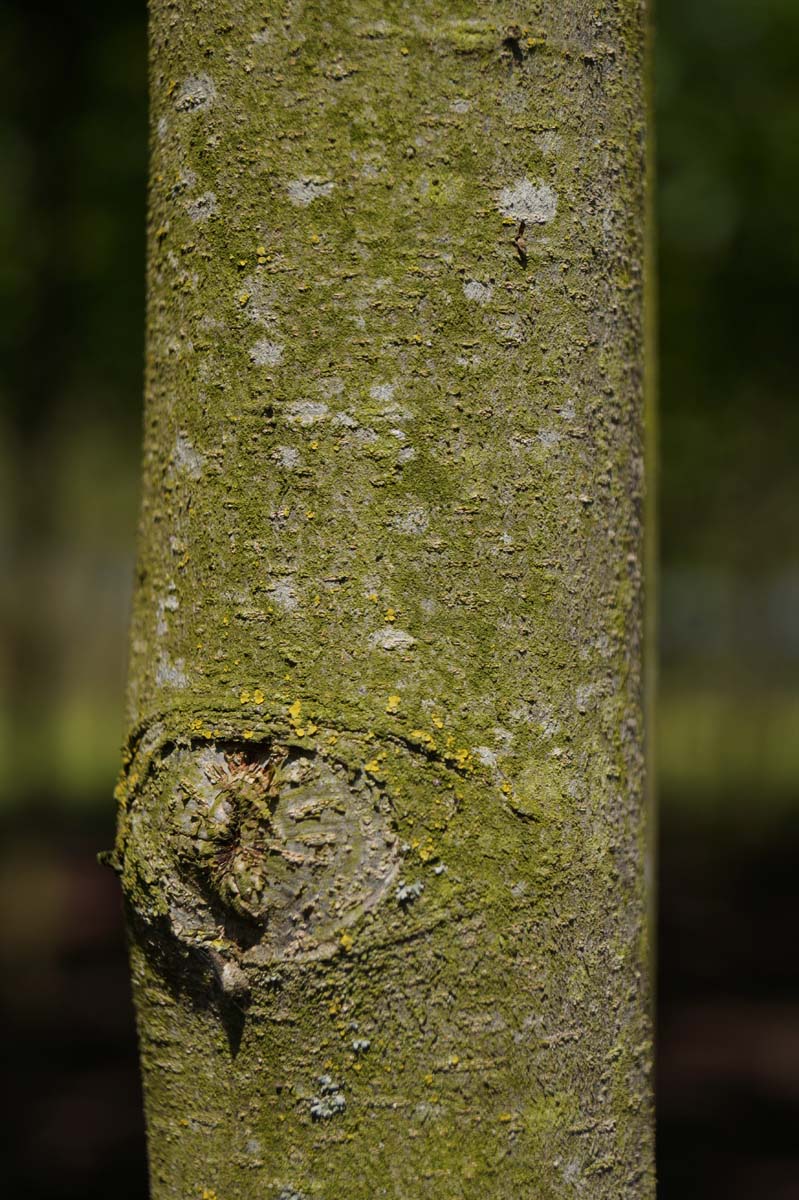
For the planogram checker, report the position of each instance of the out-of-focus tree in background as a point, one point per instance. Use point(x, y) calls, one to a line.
point(73, 139)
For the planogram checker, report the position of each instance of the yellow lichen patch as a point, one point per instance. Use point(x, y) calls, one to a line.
point(392, 704)
point(258, 696)
point(244, 697)
point(243, 298)
point(248, 733)
point(346, 941)
point(295, 711)
point(373, 596)
point(506, 1116)
point(437, 721)
point(424, 737)
point(390, 616)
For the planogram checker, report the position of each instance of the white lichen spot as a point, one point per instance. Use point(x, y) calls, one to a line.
point(305, 191)
point(168, 603)
point(197, 92)
point(266, 353)
point(460, 105)
point(282, 594)
point(306, 412)
point(406, 454)
point(330, 386)
point(392, 638)
point(549, 142)
point(186, 459)
point(329, 1102)
point(169, 673)
point(203, 207)
point(548, 438)
point(162, 128)
point(524, 200)
point(383, 392)
point(287, 456)
point(486, 756)
point(346, 420)
point(481, 293)
point(414, 521)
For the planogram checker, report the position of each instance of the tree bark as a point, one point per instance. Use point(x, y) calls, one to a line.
point(382, 819)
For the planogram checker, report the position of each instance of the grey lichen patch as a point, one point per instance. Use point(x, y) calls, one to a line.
point(287, 456)
point(392, 638)
point(329, 1102)
point(536, 203)
point(197, 92)
point(170, 673)
point(307, 412)
point(304, 191)
point(266, 353)
point(202, 207)
point(283, 594)
point(408, 893)
point(383, 392)
point(414, 521)
point(186, 459)
point(479, 292)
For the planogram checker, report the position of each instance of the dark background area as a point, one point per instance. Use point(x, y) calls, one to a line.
point(73, 141)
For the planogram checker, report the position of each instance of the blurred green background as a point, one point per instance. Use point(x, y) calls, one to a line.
point(73, 142)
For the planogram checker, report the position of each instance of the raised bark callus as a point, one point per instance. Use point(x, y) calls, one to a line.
point(381, 819)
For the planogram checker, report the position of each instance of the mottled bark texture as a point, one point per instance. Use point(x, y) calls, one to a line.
point(381, 818)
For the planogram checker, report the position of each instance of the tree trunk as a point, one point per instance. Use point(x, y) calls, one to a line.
point(381, 820)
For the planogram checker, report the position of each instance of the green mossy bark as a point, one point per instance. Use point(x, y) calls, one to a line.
point(391, 534)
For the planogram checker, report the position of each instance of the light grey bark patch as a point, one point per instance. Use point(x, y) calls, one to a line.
point(305, 191)
point(169, 673)
point(287, 456)
point(383, 391)
point(197, 92)
point(203, 207)
point(330, 1102)
point(481, 293)
point(266, 353)
point(284, 595)
point(186, 459)
point(486, 755)
point(415, 521)
point(307, 412)
point(536, 203)
point(392, 638)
